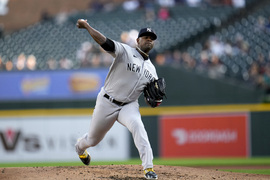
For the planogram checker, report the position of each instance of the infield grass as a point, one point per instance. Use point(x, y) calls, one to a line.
point(249, 171)
point(190, 162)
point(159, 161)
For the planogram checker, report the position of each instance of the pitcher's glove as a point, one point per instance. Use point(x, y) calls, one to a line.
point(154, 92)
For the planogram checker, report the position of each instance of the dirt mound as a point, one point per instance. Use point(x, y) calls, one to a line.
point(119, 172)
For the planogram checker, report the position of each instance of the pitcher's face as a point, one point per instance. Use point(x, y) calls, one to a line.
point(145, 43)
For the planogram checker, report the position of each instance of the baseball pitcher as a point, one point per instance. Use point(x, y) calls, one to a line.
point(130, 75)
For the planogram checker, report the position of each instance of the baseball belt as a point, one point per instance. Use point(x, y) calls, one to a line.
point(114, 101)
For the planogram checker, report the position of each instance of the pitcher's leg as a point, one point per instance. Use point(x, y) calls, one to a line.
point(104, 116)
point(96, 133)
point(130, 117)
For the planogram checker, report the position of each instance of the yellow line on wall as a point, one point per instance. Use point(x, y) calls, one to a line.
point(46, 112)
point(145, 111)
point(205, 109)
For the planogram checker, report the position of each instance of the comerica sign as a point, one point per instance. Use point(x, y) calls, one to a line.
point(205, 135)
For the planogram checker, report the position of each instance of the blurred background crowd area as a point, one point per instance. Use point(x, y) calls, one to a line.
point(217, 38)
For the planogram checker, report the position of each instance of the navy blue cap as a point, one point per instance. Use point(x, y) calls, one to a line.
point(147, 32)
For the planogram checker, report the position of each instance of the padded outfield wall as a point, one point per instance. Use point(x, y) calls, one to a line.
point(176, 131)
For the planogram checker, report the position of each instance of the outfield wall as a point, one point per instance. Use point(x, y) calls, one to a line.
point(194, 131)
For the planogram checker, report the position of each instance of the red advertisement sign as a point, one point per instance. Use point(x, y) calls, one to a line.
point(207, 135)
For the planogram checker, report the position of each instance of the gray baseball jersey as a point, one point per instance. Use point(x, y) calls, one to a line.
point(128, 74)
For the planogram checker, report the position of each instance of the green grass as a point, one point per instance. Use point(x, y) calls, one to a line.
point(249, 171)
point(191, 162)
point(158, 161)
point(214, 161)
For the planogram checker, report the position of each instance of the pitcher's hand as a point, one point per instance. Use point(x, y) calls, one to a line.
point(82, 23)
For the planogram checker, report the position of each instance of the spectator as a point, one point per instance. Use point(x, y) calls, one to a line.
point(216, 46)
point(228, 49)
point(106, 58)
point(31, 62)
point(254, 76)
point(188, 61)
point(83, 54)
point(62, 16)
point(241, 44)
point(108, 6)
point(45, 16)
point(163, 13)
point(266, 80)
point(267, 24)
point(2, 65)
point(261, 63)
point(168, 57)
point(96, 6)
point(216, 69)
point(260, 24)
point(150, 14)
point(129, 37)
point(131, 5)
point(177, 58)
point(239, 4)
point(9, 65)
point(193, 3)
point(95, 61)
point(125, 37)
point(20, 62)
point(52, 64)
point(166, 3)
point(160, 59)
point(65, 63)
point(268, 58)
point(203, 64)
point(3, 7)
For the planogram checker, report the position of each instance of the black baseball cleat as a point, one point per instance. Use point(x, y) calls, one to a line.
point(85, 158)
point(149, 173)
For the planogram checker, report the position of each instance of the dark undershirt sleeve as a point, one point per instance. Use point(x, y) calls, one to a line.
point(108, 45)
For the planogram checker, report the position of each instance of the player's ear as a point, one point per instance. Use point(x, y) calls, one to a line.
point(137, 40)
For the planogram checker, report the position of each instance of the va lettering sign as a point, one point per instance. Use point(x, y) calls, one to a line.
point(206, 135)
point(40, 139)
point(11, 138)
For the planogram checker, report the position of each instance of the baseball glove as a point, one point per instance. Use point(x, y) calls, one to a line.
point(154, 92)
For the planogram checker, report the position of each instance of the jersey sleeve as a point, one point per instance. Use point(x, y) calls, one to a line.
point(119, 49)
point(108, 45)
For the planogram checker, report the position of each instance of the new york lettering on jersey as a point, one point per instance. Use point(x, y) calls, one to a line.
point(137, 68)
point(133, 67)
point(148, 75)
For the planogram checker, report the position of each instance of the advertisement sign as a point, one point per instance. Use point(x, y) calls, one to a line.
point(53, 138)
point(51, 85)
point(206, 135)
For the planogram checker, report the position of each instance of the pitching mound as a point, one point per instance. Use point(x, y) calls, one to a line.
point(124, 172)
